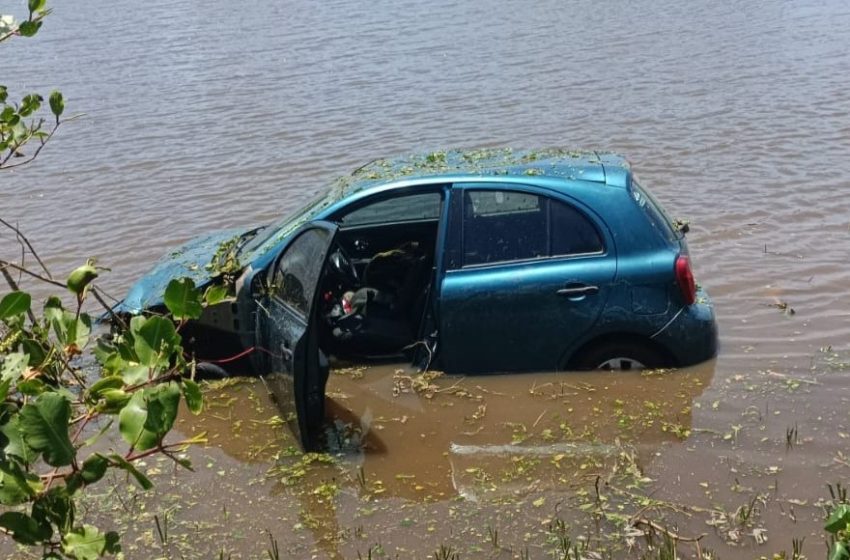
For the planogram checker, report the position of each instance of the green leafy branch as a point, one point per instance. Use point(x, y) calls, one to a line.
point(53, 410)
point(19, 121)
point(10, 28)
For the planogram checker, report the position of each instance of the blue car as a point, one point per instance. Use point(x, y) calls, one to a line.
point(476, 261)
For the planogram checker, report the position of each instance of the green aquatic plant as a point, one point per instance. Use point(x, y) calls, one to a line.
point(837, 524)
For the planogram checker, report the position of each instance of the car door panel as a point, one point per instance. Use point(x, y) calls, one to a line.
point(518, 317)
point(296, 373)
point(523, 310)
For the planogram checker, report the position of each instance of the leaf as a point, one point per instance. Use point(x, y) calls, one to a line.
point(155, 340)
point(45, 428)
point(24, 528)
point(80, 278)
point(107, 356)
point(72, 331)
point(14, 365)
point(36, 5)
point(122, 463)
point(57, 103)
point(16, 445)
point(15, 486)
point(215, 294)
point(182, 299)
point(194, 397)
point(78, 330)
point(838, 519)
point(94, 468)
point(55, 506)
point(100, 386)
point(14, 303)
point(135, 374)
point(114, 400)
point(7, 113)
point(185, 462)
point(839, 551)
point(149, 415)
point(36, 350)
point(29, 28)
point(32, 387)
point(30, 104)
point(87, 543)
point(4, 391)
point(52, 310)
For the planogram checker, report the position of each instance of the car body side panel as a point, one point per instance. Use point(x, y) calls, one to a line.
point(511, 317)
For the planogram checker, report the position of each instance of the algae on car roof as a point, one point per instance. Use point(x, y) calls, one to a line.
point(551, 162)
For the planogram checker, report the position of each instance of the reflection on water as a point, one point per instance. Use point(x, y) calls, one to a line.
point(402, 442)
point(453, 423)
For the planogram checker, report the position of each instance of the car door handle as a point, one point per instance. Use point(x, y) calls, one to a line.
point(578, 290)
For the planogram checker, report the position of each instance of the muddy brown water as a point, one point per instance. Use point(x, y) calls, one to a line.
point(736, 115)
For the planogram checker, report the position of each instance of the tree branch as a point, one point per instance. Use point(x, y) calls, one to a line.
point(23, 239)
point(14, 149)
point(5, 264)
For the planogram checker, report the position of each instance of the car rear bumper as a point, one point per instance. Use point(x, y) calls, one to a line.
point(691, 337)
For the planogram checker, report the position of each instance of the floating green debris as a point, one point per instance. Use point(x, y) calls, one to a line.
point(289, 474)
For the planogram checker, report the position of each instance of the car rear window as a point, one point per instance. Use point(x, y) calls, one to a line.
point(657, 217)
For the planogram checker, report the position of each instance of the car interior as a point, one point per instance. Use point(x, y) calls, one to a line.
point(377, 283)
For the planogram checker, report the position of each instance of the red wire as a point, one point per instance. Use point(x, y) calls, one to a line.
point(237, 356)
point(232, 358)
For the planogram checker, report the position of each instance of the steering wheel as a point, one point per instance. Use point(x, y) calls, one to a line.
point(343, 264)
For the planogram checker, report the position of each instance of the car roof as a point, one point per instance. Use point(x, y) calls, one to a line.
point(458, 165)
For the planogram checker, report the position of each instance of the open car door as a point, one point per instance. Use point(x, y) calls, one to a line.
point(297, 372)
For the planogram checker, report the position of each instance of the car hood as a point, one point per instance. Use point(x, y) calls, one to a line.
point(187, 261)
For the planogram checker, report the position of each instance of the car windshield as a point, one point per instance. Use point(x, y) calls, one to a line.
point(276, 231)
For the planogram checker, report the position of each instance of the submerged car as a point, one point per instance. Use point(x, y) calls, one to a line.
point(493, 260)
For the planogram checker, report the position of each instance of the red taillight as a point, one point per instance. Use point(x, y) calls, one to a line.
point(685, 279)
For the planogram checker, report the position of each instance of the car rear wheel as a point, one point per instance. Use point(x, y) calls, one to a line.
point(621, 356)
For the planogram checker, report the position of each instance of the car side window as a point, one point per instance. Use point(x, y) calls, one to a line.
point(571, 232)
point(406, 208)
point(297, 272)
point(504, 226)
point(501, 226)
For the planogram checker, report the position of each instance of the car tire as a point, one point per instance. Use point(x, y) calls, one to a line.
point(621, 356)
